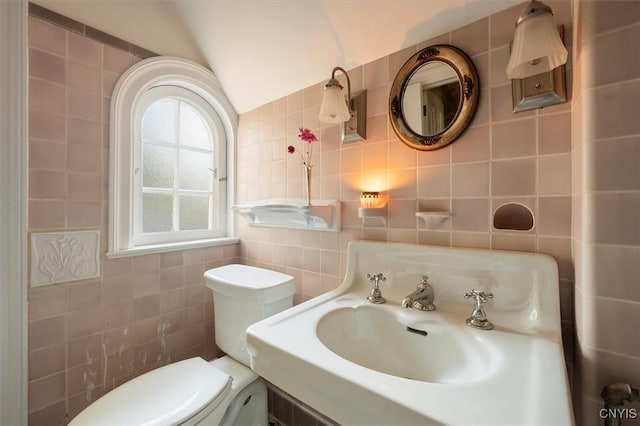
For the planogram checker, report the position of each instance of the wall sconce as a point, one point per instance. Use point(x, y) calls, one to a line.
point(373, 210)
point(536, 64)
point(537, 46)
point(334, 109)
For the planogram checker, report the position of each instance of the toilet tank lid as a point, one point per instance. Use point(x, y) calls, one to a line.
point(249, 282)
point(165, 396)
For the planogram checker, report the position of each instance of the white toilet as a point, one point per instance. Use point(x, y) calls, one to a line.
point(195, 392)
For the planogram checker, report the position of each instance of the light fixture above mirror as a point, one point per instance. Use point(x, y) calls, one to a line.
point(350, 113)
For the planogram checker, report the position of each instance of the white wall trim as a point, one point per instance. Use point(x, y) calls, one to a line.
point(13, 212)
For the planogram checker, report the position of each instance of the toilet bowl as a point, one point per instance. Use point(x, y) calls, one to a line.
point(224, 391)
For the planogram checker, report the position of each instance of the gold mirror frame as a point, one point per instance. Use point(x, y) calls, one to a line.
point(469, 94)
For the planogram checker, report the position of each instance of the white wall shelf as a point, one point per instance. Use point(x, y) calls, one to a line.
point(433, 218)
point(375, 217)
point(323, 215)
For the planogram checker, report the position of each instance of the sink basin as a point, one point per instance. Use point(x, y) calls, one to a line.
point(357, 362)
point(431, 351)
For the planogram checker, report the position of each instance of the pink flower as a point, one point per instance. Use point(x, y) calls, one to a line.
point(307, 136)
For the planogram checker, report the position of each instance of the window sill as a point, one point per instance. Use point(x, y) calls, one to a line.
point(163, 248)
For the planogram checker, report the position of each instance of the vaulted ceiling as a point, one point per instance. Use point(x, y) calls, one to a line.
point(261, 50)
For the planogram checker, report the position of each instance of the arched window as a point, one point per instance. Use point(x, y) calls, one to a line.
point(171, 126)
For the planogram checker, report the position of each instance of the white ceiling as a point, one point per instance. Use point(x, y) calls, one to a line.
point(262, 50)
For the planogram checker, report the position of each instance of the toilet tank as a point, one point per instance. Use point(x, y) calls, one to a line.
point(243, 295)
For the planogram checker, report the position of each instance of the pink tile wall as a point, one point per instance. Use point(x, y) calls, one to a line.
point(85, 338)
point(502, 157)
point(606, 192)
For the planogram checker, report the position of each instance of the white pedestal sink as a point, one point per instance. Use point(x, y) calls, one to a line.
point(360, 363)
point(448, 353)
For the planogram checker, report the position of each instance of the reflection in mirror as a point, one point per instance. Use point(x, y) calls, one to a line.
point(431, 98)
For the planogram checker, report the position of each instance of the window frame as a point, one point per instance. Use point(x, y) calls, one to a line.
point(127, 95)
point(210, 117)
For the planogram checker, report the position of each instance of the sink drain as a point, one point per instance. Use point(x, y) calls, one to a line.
point(416, 331)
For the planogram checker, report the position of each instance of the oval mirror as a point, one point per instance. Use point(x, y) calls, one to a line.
point(433, 97)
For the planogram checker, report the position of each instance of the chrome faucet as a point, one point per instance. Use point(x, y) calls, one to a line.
point(422, 298)
point(478, 318)
point(376, 294)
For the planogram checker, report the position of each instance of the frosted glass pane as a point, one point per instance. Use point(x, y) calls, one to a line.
point(157, 166)
point(193, 129)
point(195, 171)
point(159, 121)
point(194, 212)
point(157, 212)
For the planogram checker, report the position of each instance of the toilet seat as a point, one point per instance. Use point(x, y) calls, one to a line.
point(170, 395)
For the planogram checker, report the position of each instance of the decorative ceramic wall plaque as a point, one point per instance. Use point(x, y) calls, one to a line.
point(58, 257)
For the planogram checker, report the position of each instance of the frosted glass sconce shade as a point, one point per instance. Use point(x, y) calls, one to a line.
point(537, 46)
point(334, 106)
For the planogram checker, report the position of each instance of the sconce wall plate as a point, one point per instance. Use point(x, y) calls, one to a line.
point(540, 90)
point(355, 129)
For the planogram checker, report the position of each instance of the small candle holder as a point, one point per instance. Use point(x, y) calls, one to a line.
point(373, 210)
point(369, 199)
